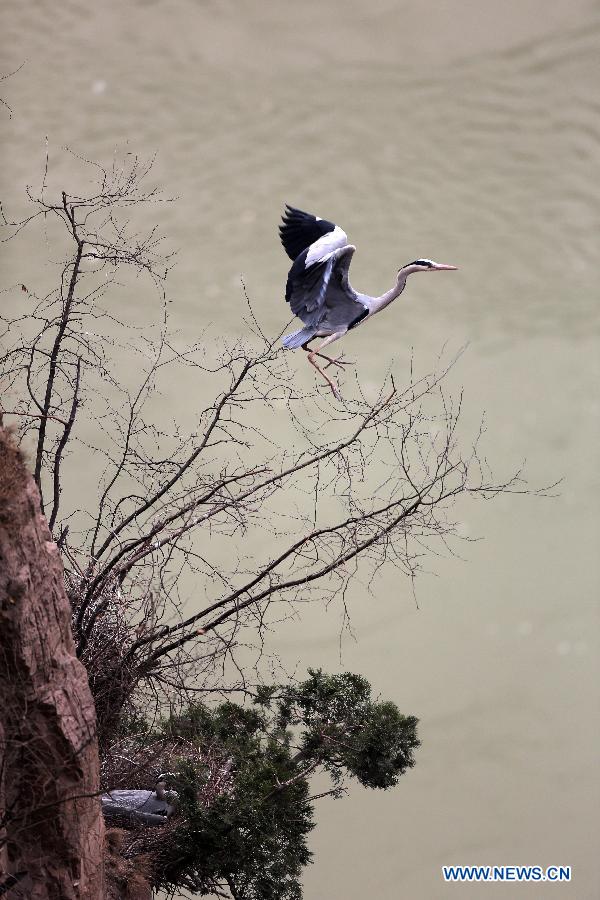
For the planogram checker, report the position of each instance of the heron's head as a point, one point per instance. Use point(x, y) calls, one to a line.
point(424, 265)
point(161, 790)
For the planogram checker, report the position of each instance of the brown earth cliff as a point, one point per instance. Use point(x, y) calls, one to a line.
point(53, 833)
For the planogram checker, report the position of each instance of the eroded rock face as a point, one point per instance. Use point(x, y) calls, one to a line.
point(50, 774)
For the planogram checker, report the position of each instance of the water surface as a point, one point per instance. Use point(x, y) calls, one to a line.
point(466, 132)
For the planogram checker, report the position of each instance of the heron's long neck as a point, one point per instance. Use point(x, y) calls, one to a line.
point(380, 303)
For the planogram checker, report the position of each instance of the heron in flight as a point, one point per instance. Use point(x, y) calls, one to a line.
point(318, 289)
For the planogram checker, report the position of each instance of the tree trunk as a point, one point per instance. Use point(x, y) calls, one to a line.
point(53, 831)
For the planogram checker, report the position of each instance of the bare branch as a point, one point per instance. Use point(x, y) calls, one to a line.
point(61, 446)
point(54, 356)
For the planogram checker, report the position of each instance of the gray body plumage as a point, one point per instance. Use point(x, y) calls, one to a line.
point(321, 295)
point(131, 807)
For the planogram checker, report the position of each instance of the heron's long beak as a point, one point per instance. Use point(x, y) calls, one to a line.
point(441, 267)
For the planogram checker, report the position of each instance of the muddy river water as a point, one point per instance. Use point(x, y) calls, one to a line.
point(467, 132)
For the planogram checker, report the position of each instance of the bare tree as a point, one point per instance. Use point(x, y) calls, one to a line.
point(174, 507)
point(171, 594)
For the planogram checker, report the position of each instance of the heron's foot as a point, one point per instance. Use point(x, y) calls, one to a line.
point(335, 390)
point(332, 385)
point(338, 361)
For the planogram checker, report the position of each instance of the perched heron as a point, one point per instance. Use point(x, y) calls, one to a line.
point(136, 807)
point(318, 289)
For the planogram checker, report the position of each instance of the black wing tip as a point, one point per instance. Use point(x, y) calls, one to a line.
point(292, 212)
point(301, 229)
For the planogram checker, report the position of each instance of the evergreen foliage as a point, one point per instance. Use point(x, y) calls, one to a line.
point(253, 836)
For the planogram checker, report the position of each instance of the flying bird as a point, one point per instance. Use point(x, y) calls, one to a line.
point(318, 289)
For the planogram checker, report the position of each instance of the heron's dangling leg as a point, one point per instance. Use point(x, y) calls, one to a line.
point(313, 362)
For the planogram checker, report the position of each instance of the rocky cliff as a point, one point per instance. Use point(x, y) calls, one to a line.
point(53, 832)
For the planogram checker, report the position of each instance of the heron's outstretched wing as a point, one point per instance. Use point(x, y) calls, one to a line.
point(320, 293)
point(300, 230)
